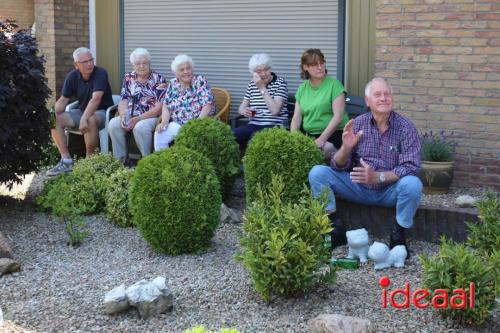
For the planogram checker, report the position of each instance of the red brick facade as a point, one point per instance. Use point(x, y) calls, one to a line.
point(442, 58)
point(20, 10)
point(61, 27)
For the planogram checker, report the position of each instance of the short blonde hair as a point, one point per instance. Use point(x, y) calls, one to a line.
point(181, 59)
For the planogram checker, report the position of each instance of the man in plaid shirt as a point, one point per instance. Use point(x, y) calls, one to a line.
point(377, 164)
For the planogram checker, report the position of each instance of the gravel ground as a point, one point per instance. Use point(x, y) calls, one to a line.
point(61, 289)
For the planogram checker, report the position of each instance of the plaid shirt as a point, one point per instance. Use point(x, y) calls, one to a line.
point(396, 150)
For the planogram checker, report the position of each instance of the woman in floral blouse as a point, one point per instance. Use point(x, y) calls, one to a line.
point(188, 96)
point(140, 105)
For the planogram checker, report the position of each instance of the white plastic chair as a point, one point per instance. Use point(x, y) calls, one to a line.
point(103, 133)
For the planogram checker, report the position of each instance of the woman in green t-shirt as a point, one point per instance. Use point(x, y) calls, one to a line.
point(320, 102)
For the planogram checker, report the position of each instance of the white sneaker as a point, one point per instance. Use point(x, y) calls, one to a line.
point(59, 168)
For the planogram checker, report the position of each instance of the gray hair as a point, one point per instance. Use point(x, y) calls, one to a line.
point(259, 59)
point(139, 53)
point(372, 81)
point(181, 59)
point(79, 51)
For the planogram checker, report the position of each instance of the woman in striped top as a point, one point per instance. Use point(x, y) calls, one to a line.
point(265, 99)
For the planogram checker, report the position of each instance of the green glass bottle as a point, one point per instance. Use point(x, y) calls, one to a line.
point(345, 263)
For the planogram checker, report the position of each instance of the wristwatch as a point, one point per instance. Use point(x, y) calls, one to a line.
point(381, 177)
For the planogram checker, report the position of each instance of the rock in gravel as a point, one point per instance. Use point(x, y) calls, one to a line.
point(5, 251)
point(116, 300)
point(8, 265)
point(465, 201)
point(148, 298)
point(228, 215)
point(335, 323)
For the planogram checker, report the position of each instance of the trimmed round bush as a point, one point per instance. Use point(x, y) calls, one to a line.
point(215, 140)
point(117, 207)
point(86, 185)
point(175, 200)
point(287, 154)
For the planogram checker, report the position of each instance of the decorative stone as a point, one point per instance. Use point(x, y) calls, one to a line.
point(148, 298)
point(8, 265)
point(465, 201)
point(5, 250)
point(228, 215)
point(116, 300)
point(335, 323)
point(385, 258)
point(358, 244)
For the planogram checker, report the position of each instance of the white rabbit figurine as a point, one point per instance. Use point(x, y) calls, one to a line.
point(358, 244)
point(379, 252)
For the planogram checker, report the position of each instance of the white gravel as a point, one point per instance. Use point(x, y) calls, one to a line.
point(61, 289)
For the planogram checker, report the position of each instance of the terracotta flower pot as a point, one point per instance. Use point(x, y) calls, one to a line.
point(436, 176)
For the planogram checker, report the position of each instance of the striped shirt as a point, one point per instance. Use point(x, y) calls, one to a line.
point(396, 150)
point(263, 117)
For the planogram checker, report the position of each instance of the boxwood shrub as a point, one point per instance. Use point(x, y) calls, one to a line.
point(216, 141)
point(276, 151)
point(117, 208)
point(175, 200)
point(282, 246)
point(86, 184)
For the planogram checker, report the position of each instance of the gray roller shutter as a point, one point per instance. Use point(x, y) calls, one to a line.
point(221, 36)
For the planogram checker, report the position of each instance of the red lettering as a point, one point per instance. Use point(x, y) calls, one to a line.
point(384, 298)
point(458, 295)
point(472, 295)
point(405, 292)
point(419, 295)
point(440, 299)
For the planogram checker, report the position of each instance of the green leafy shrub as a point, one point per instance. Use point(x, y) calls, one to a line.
point(202, 329)
point(216, 141)
point(175, 200)
point(86, 185)
point(282, 246)
point(437, 147)
point(485, 236)
point(117, 203)
point(290, 155)
point(454, 267)
point(24, 129)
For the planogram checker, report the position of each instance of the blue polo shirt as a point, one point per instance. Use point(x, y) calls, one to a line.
point(76, 87)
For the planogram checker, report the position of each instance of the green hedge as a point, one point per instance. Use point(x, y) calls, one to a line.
point(290, 155)
point(175, 200)
point(216, 141)
point(117, 207)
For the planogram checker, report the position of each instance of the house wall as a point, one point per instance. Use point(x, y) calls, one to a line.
point(61, 27)
point(20, 10)
point(442, 58)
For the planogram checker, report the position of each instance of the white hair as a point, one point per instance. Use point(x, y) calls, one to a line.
point(259, 59)
point(372, 81)
point(139, 53)
point(79, 51)
point(179, 60)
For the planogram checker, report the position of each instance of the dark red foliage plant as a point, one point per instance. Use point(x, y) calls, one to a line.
point(25, 119)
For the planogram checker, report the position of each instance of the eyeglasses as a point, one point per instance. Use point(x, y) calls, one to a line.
point(262, 70)
point(141, 64)
point(318, 64)
point(85, 62)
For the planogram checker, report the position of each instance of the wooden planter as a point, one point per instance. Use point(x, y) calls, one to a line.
point(436, 176)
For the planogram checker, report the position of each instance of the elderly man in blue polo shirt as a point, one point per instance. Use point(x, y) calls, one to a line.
point(89, 85)
point(377, 164)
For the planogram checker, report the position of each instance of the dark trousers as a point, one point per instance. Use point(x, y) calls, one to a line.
point(336, 138)
point(244, 133)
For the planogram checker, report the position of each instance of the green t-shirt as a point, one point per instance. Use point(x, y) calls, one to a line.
point(316, 104)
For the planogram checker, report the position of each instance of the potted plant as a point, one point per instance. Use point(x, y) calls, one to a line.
point(437, 154)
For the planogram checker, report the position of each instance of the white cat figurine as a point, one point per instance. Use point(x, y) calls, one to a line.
point(358, 244)
point(379, 252)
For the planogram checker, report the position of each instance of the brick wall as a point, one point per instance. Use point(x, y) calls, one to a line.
point(20, 10)
point(62, 26)
point(442, 58)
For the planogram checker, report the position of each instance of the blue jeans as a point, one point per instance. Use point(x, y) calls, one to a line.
point(404, 194)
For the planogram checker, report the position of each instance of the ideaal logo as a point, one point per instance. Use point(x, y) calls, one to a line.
point(440, 300)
